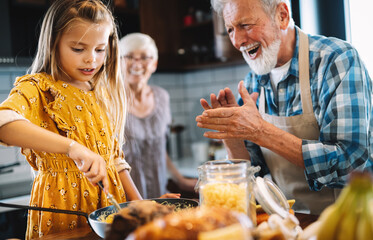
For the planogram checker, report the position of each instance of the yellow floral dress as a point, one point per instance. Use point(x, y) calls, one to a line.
point(76, 114)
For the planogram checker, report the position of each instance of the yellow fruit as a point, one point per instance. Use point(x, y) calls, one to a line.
point(347, 227)
point(330, 219)
point(364, 228)
point(349, 218)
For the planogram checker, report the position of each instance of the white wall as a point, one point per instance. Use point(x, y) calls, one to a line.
point(359, 31)
point(309, 18)
point(186, 89)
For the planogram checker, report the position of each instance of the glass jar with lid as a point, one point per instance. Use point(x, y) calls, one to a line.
point(228, 184)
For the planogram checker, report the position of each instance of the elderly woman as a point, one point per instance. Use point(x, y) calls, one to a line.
point(148, 119)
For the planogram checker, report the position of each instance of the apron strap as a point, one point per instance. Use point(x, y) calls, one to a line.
point(304, 73)
point(262, 101)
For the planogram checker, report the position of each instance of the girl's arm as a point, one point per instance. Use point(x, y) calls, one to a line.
point(129, 186)
point(27, 135)
point(24, 134)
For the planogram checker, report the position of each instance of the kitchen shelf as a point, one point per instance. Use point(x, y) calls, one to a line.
point(164, 25)
point(198, 25)
point(183, 48)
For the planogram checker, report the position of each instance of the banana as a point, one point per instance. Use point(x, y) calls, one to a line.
point(371, 211)
point(364, 229)
point(370, 207)
point(332, 216)
point(330, 219)
point(346, 230)
point(350, 217)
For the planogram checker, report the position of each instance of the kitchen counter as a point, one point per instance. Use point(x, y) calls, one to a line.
point(87, 233)
point(20, 200)
point(16, 176)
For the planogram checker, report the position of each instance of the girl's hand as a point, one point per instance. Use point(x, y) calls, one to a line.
point(171, 195)
point(91, 164)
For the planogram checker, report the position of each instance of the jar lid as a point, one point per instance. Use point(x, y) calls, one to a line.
point(270, 197)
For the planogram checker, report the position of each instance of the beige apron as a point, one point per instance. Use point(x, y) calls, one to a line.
point(289, 177)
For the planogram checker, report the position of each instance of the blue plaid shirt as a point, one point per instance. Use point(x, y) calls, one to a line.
point(341, 92)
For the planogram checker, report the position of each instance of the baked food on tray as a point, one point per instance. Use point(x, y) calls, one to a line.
point(187, 224)
point(136, 214)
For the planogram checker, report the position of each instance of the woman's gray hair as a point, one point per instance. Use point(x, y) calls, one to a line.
point(136, 41)
point(269, 6)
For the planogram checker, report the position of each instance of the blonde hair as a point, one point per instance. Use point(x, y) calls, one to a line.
point(136, 41)
point(107, 83)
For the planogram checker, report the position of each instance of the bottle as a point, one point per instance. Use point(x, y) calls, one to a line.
point(228, 184)
point(189, 19)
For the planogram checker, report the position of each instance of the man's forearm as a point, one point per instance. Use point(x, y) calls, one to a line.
point(282, 143)
point(236, 149)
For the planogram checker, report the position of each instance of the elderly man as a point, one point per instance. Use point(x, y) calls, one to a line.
point(308, 119)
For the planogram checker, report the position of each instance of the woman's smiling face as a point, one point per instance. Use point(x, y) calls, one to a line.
point(82, 51)
point(138, 65)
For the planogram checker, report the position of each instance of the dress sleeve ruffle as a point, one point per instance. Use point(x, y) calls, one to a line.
point(121, 164)
point(53, 99)
point(119, 161)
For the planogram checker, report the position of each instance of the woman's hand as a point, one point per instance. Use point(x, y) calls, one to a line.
point(91, 164)
point(187, 184)
point(171, 195)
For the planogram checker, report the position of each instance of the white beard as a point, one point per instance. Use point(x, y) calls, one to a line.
point(266, 61)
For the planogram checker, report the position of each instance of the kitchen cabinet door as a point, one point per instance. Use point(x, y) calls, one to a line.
point(161, 20)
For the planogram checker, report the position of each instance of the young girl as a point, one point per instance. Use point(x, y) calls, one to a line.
point(68, 116)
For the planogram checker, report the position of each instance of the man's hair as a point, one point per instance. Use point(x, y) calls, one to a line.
point(269, 6)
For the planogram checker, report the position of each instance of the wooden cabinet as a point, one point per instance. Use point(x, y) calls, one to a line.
point(182, 29)
point(161, 19)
